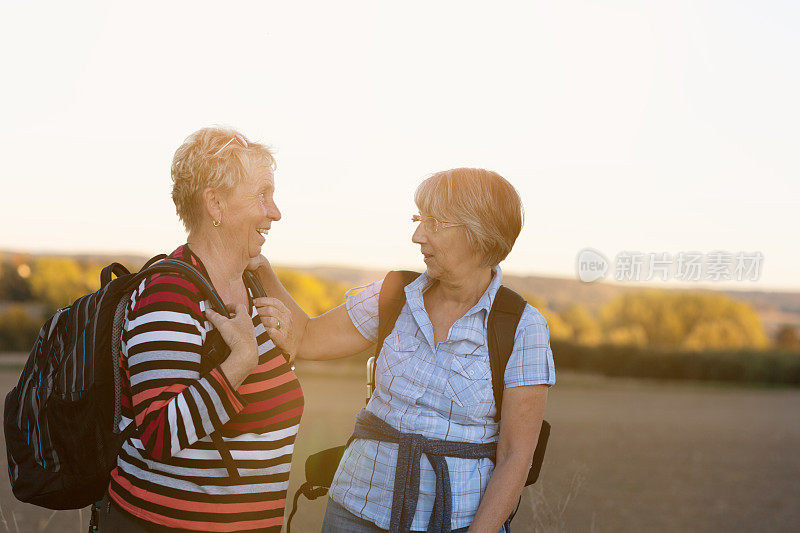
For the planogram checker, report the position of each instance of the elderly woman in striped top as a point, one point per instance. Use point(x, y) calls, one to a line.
point(174, 474)
point(433, 377)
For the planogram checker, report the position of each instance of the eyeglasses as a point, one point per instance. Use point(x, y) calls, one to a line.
point(238, 138)
point(433, 224)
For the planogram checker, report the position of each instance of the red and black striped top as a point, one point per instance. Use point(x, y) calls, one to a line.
point(170, 473)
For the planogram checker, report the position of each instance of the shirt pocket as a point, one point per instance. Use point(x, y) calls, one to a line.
point(469, 383)
point(397, 353)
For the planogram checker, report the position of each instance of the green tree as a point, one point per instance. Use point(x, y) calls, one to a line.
point(57, 281)
point(688, 320)
point(633, 335)
point(18, 328)
point(13, 286)
point(788, 338)
point(314, 295)
point(559, 329)
point(585, 328)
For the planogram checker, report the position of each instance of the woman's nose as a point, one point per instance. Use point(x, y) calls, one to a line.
point(273, 212)
point(419, 235)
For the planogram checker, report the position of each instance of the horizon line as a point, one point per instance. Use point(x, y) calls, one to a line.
point(674, 285)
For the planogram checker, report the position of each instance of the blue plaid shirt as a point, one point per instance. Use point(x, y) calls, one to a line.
point(442, 392)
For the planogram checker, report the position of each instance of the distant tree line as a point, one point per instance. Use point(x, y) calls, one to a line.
point(777, 367)
point(667, 320)
point(31, 288)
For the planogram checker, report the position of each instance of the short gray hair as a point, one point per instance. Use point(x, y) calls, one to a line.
point(483, 201)
point(212, 157)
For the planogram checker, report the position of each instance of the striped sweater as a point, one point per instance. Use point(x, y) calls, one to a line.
point(170, 472)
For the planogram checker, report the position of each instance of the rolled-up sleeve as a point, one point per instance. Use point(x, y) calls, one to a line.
point(531, 360)
point(362, 307)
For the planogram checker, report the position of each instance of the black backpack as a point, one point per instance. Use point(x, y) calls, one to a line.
point(503, 321)
point(61, 421)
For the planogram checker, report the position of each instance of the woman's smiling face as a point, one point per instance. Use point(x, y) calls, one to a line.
point(250, 211)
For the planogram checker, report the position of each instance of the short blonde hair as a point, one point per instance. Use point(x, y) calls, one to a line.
point(483, 201)
point(212, 157)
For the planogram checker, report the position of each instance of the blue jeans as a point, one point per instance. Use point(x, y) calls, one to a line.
point(340, 520)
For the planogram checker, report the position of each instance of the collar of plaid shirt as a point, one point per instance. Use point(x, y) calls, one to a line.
point(416, 303)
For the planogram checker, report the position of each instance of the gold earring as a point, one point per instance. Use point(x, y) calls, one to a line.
point(216, 223)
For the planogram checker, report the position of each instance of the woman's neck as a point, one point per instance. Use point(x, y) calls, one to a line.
point(464, 290)
point(224, 268)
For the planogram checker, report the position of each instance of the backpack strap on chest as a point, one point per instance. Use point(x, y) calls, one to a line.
point(390, 302)
point(252, 282)
point(504, 318)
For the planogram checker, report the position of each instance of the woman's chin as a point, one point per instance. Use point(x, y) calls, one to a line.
point(256, 245)
point(431, 269)
point(255, 251)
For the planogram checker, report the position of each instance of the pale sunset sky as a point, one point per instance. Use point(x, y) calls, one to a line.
point(625, 125)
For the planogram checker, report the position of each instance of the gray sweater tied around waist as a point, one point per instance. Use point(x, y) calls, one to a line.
point(411, 446)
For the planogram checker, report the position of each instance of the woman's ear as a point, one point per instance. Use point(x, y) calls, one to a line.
point(213, 203)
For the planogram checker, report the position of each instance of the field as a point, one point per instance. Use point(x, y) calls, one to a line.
point(624, 455)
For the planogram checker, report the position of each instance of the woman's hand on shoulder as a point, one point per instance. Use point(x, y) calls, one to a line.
point(278, 322)
point(257, 262)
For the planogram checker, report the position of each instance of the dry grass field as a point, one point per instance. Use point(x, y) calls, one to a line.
point(624, 455)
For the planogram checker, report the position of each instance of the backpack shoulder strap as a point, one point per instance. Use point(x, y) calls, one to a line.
point(504, 318)
point(252, 282)
point(391, 301)
point(218, 351)
point(117, 269)
point(172, 265)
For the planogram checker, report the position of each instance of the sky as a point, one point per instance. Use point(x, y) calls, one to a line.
point(661, 127)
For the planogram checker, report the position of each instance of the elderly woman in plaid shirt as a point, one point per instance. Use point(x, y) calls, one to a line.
point(433, 374)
